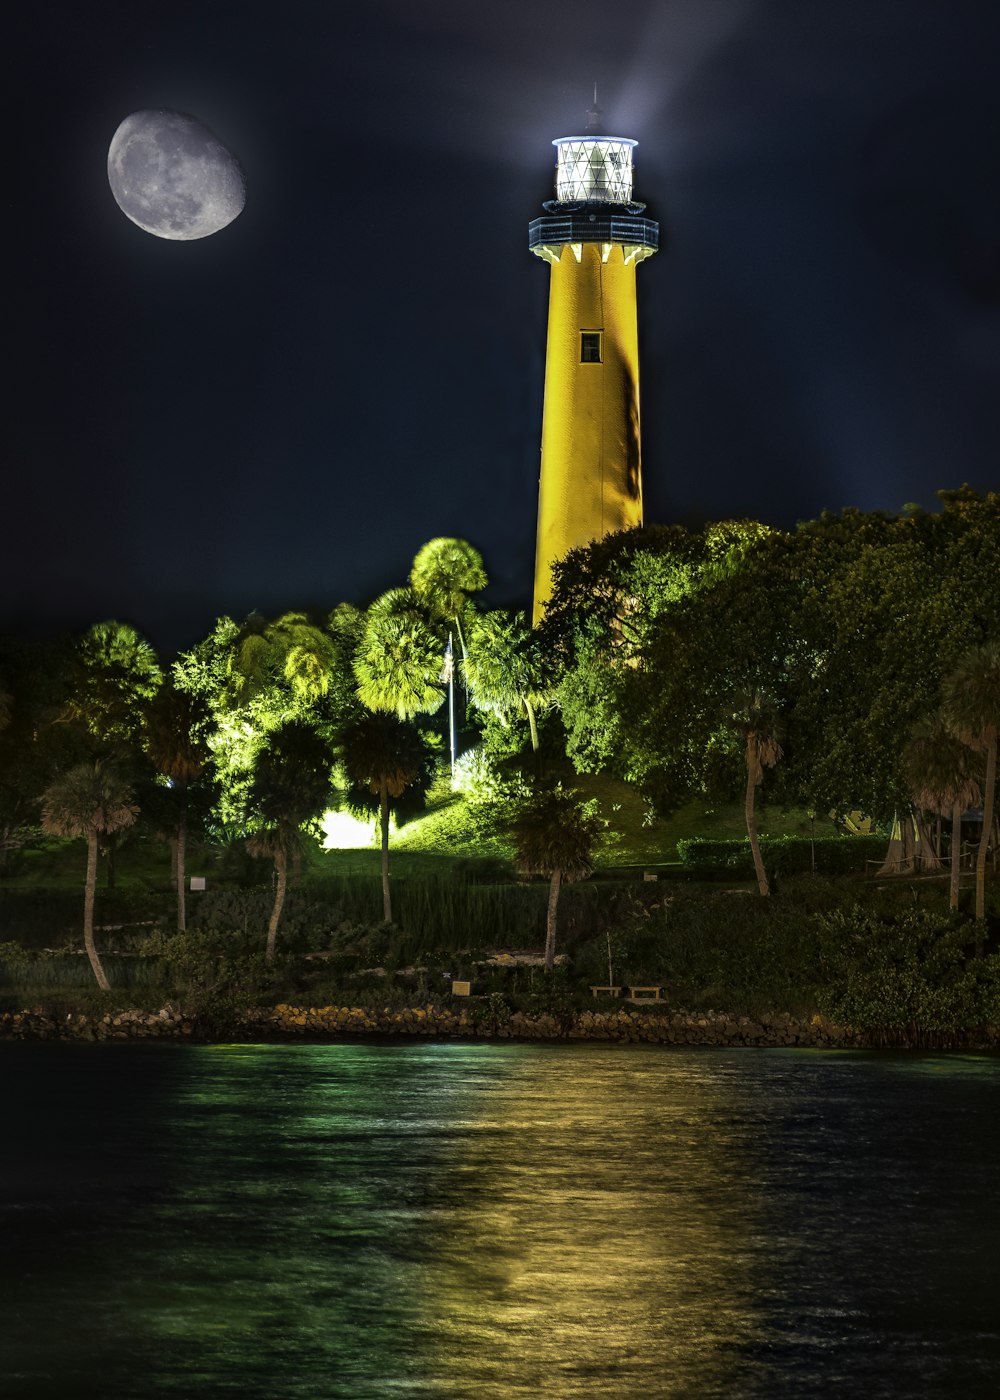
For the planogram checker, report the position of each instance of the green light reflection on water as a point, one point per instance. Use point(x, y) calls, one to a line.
point(461, 1214)
point(364, 1221)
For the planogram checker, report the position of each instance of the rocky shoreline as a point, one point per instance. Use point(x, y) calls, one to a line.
point(488, 1022)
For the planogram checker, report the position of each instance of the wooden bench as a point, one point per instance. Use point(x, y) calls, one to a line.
point(646, 993)
point(605, 991)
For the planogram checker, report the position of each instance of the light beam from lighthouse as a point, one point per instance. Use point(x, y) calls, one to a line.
point(593, 235)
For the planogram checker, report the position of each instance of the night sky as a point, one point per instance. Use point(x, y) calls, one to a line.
point(280, 415)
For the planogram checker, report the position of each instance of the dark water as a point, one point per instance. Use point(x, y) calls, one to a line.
point(497, 1220)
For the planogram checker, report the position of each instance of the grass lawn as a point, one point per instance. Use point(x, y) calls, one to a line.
point(444, 828)
point(429, 844)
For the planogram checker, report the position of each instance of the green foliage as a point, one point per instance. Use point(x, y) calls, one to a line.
point(850, 625)
point(308, 924)
point(496, 1011)
point(261, 678)
point(444, 573)
point(399, 658)
point(509, 670)
point(176, 729)
point(39, 918)
point(972, 709)
point(216, 974)
point(91, 799)
point(785, 855)
point(548, 994)
point(940, 769)
point(34, 742)
point(384, 757)
point(291, 779)
point(115, 676)
point(65, 971)
point(553, 830)
point(913, 975)
point(883, 607)
point(438, 911)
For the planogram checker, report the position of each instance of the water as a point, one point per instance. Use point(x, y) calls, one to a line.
point(459, 1220)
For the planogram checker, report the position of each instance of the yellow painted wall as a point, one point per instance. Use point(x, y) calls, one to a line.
point(591, 471)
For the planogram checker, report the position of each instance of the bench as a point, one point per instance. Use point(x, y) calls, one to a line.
point(646, 993)
point(605, 991)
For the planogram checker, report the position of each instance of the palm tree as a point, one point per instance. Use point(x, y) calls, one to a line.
point(276, 843)
point(554, 834)
point(506, 668)
point(757, 722)
point(91, 800)
point(972, 707)
point(384, 755)
point(249, 660)
point(175, 727)
point(398, 662)
point(291, 648)
point(444, 573)
point(940, 770)
point(290, 787)
point(116, 676)
point(307, 655)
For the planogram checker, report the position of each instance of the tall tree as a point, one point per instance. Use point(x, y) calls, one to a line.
point(91, 800)
point(941, 770)
point(384, 755)
point(116, 675)
point(614, 609)
point(554, 835)
point(758, 723)
point(176, 742)
point(398, 661)
point(258, 676)
point(298, 651)
point(508, 669)
point(291, 786)
point(881, 609)
point(444, 575)
point(972, 707)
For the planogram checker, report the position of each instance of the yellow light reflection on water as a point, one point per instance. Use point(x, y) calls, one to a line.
point(597, 1228)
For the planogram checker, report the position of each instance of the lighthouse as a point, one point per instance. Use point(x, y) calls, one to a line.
point(593, 235)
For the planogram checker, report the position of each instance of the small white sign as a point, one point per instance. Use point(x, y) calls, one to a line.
point(197, 882)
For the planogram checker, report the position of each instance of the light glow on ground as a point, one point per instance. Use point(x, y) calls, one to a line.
point(343, 832)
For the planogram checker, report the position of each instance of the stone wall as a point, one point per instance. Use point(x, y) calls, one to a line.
point(658, 1027)
point(319, 1023)
point(40, 1024)
point(632, 1026)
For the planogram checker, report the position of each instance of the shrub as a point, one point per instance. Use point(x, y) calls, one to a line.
point(785, 855)
point(217, 975)
point(41, 918)
point(911, 976)
point(307, 924)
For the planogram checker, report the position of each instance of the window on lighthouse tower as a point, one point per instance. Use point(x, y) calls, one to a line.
point(590, 348)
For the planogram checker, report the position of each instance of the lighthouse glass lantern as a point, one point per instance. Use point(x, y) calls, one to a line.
point(594, 169)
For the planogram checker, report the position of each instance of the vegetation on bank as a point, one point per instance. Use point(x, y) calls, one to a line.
point(847, 673)
point(886, 958)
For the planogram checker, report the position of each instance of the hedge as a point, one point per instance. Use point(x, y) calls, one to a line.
point(783, 855)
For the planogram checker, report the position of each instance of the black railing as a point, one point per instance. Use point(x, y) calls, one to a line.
point(593, 228)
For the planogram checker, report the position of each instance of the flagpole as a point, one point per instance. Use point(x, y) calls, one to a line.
point(450, 666)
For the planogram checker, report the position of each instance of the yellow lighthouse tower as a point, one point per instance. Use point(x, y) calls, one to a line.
point(594, 236)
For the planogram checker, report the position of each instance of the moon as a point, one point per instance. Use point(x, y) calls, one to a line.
point(170, 175)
